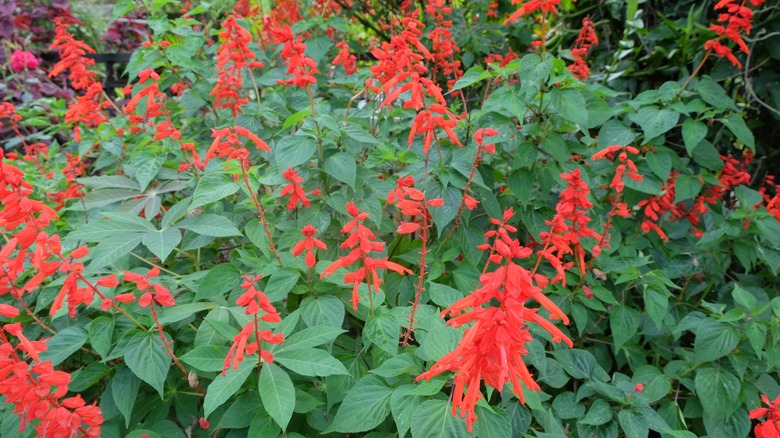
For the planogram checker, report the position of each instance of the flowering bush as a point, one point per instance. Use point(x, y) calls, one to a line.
point(444, 220)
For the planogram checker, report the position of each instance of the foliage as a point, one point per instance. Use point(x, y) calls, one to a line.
point(345, 218)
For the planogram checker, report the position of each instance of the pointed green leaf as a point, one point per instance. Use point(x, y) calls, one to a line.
point(278, 394)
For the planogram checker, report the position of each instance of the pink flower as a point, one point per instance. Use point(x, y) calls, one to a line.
point(21, 60)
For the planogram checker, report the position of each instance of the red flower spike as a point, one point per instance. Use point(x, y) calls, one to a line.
point(585, 40)
point(360, 242)
point(294, 189)
point(493, 345)
point(308, 244)
point(227, 145)
point(232, 57)
point(253, 300)
point(293, 52)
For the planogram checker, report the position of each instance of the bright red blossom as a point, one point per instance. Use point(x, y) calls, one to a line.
point(308, 244)
point(770, 417)
point(492, 347)
point(294, 189)
point(361, 246)
point(253, 300)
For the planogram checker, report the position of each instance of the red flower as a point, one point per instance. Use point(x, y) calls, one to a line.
point(493, 345)
point(533, 5)
point(253, 300)
point(361, 245)
point(300, 66)
point(72, 56)
point(770, 425)
point(345, 59)
point(233, 56)
point(585, 40)
point(226, 144)
point(151, 293)
point(308, 244)
point(294, 189)
point(737, 18)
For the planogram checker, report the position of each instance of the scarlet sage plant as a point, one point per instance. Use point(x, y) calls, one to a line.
point(409, 219)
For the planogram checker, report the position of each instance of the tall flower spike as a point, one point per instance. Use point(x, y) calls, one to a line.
point(360, 241)
point(253, 300)
point(492, 346)
point(300, 66)
point(232, 57)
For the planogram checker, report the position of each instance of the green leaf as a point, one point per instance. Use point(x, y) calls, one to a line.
point(395, 366)
point(633, 423)
point(311, 337)
point(280, 283)
point(660, 163)
point(111, 226)
point(223, 387)
point(693, 133)
point(440, 340)
point(717, 389)
point(442, 295)
point(580, 364)
point(365, 407)
point(615, 132)
point(342, 167)
point(123, 7)
point(293, 151)
point(278, 394)
point(493, 422)
point(219, 280)
point(598, 414)
point(182, 311)
point(146, 356)
point(310, 362)
point(712, 93)
point(747, 197)
point(124, 390)
point(383, 331)
point(404, 403)
point(756, 334)
point(442, 216)
point(112, 249)
point(144, 167)
point(210, 225)
point(743, 297)
point(624, 323)
point(714, 340)
point(569, 104)
point(101, 331)
point(686, 187)
point(739, 128)
point(161, 243)
point(357, 133)
point(209, 358)
point(707, 155)
point(434, 420)
point(63, 344)
point(472, 76)
point(212, 187)
point(295, 118)
point(654, 121)
point(325, 310)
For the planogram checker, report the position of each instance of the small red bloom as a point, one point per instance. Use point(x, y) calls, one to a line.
point(294, 189)
point(308, 244)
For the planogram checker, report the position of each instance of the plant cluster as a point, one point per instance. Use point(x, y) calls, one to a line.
point(439, 219)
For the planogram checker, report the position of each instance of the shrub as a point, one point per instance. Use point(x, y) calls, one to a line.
point(438, 220)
